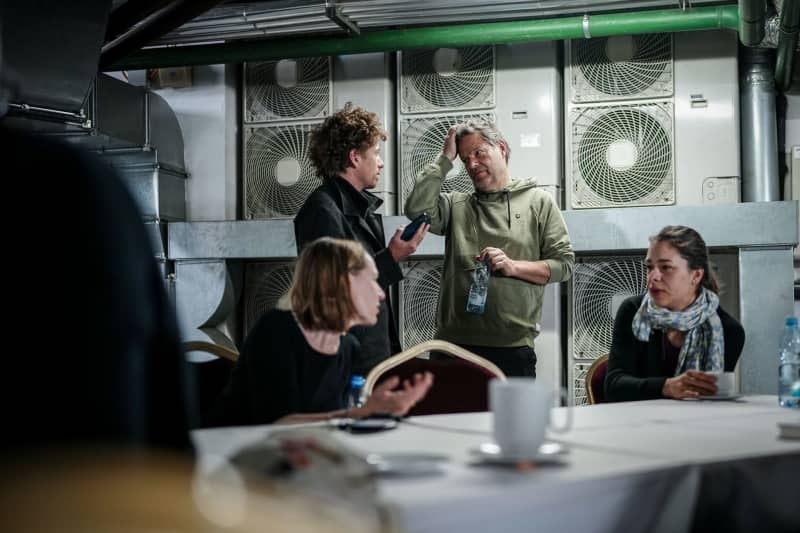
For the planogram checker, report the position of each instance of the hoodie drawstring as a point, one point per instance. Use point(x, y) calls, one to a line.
point(508, 205)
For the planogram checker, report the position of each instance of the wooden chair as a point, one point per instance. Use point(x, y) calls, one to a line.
point(460, 384)
point(215, 349)
point(596, 379)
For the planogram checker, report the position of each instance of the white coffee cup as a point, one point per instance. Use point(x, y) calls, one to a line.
point(725, 382)
point(521, 409)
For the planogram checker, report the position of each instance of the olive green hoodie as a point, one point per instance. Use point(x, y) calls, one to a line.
point(524, 222)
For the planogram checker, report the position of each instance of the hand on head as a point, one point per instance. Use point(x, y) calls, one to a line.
point(450, 150)
point(397, 402)
point(690, 384)
point(401, 249)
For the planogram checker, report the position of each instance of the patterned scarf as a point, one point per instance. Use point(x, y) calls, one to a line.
point(704, 344)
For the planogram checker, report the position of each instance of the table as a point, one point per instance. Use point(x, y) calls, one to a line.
point(659, 465)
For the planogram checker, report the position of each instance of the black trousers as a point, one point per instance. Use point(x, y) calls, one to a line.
point(519, 361)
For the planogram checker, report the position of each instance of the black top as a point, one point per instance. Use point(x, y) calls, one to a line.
point(279, 374)
point(637, 370)
point(336, 209)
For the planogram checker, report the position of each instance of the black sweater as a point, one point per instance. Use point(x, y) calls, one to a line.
point(635, 368)
point(279, 374)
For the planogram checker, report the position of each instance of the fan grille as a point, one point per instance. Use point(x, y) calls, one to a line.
point(579, 393)
point(287, 89)
point(419, 297)
point(447, 78)
point(622, 67)
point(421, 143)
point(599, 287)
point(279, 175)
point(265, 284)
point(622, 155)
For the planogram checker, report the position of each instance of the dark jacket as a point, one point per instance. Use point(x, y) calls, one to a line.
point(635, 369)
point(337, 209)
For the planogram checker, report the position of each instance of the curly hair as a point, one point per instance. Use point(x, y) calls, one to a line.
point(330, 143)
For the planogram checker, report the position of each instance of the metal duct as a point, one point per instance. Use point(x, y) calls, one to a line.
point(51, 48)
point(759, 131)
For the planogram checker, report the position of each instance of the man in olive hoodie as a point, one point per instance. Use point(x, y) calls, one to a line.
point(509, 225)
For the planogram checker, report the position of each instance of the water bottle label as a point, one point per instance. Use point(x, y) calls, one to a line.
point(476, 299)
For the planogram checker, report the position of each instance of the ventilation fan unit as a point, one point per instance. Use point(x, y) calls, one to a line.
point(421, 141)
point(289, 89)
point(599, 286)
point(419, 297)
point(278, 173)
point(621, 67)
point(265, 283)
point(579, 393)
point(622, 156)
point(445, 79)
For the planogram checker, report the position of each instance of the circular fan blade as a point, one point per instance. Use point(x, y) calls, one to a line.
point(624, 154)
point(599, 287)
point(420, 297)
point(266, 283)
point(446, 78)
point(279, 174)
point(287, 89)
point(626, 66)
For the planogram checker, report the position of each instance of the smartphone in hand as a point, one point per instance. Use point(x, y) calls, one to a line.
point(412, 228)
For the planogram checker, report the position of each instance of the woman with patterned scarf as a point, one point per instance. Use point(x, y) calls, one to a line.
point(666, 340)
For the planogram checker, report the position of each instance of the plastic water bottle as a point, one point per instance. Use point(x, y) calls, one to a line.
point(789, 369)
point(356, 387)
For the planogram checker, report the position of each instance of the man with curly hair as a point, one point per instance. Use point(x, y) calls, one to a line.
point(345, 149)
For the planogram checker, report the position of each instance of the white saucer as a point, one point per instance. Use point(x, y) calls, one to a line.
point(720, 397)
point(406, 463)
point(549, 453)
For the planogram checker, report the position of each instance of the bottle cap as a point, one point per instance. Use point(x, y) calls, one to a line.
point(791, 321)
point(357, 381)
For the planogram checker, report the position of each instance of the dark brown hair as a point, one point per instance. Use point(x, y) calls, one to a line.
point(320, 291)
point(330, 143)
point(487, 130)
point(691, 246)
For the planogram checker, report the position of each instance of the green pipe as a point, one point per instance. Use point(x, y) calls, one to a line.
point(752, 14)
point(700, 18)
point(787, 42)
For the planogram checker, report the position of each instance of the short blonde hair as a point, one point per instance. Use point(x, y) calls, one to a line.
point(320, 291)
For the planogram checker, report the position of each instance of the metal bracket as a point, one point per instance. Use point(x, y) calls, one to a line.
point(683, 4)
point(334, 13)
point(585, 24)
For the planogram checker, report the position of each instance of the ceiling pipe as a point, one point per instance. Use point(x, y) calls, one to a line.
point(787, 42)
point(660, 21)
point(752, 14)
point(151, 27)
point(127, 15)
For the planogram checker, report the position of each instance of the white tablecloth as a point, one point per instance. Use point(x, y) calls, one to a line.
point(635, 466)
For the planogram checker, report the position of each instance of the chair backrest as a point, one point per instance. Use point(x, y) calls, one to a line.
point(595, 380)
point(460, 384)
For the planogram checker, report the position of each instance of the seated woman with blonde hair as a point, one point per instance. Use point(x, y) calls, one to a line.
point(666, 340)
point(295, 363)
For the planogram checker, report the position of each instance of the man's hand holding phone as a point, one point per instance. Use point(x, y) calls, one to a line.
point(406, 239)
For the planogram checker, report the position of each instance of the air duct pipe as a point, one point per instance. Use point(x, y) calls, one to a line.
point(700, 18)
point(759, 134)
point(751, 21)
point(787, 41)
